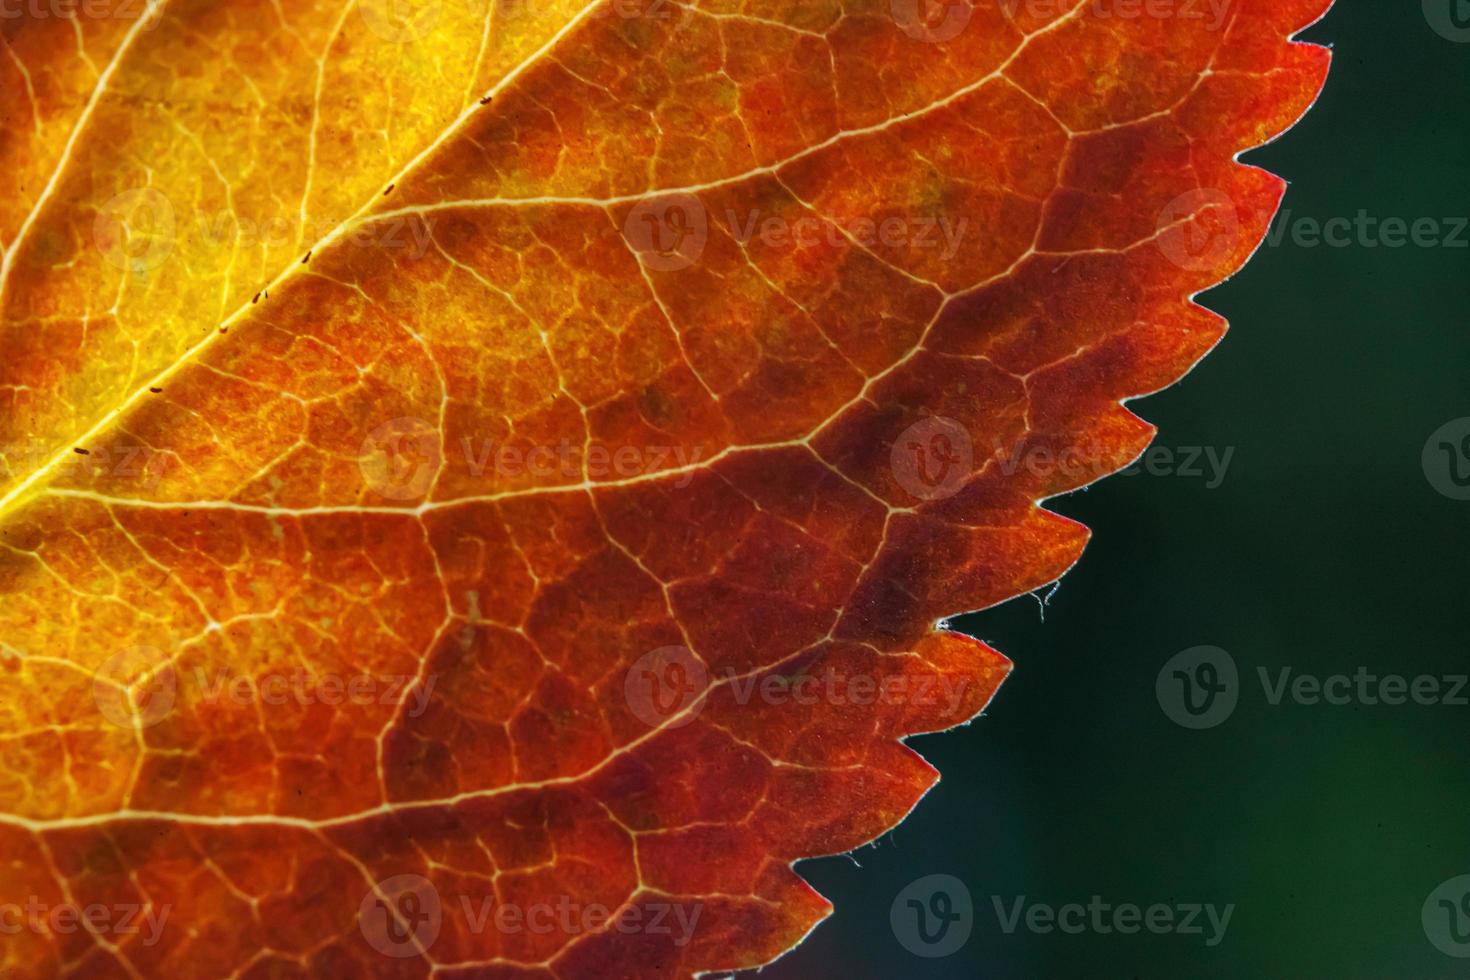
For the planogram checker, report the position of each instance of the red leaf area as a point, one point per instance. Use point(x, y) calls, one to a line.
point(627, 703)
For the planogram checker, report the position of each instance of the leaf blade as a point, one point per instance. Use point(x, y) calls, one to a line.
point(796, 544)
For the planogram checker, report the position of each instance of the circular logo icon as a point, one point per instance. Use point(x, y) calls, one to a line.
point(933, 916)
point(662, 685)
point(135, 230)
point(400, 21)
point(1446, 917)
point(135, 688)
point(401, 459)
point(1446, 459)
point(668, 233)
point(933, 458)
point(1200, 230)
point(1013, 8)
point(402, 916)
point(1199, 688)
point(1449, 18)
point(933, 21)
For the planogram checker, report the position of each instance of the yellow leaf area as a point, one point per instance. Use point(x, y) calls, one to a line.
point(470, 464)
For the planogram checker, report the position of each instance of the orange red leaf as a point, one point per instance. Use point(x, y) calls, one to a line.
point(478, 481)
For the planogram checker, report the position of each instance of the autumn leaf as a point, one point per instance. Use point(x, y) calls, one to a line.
point(478, 484)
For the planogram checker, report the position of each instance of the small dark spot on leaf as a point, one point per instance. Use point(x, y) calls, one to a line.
point(82, 452)
point(156, 391)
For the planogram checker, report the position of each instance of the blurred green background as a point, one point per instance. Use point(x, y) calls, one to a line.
point(1324, 549)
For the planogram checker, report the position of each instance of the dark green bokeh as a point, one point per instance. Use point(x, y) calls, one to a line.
point(1325, 549)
